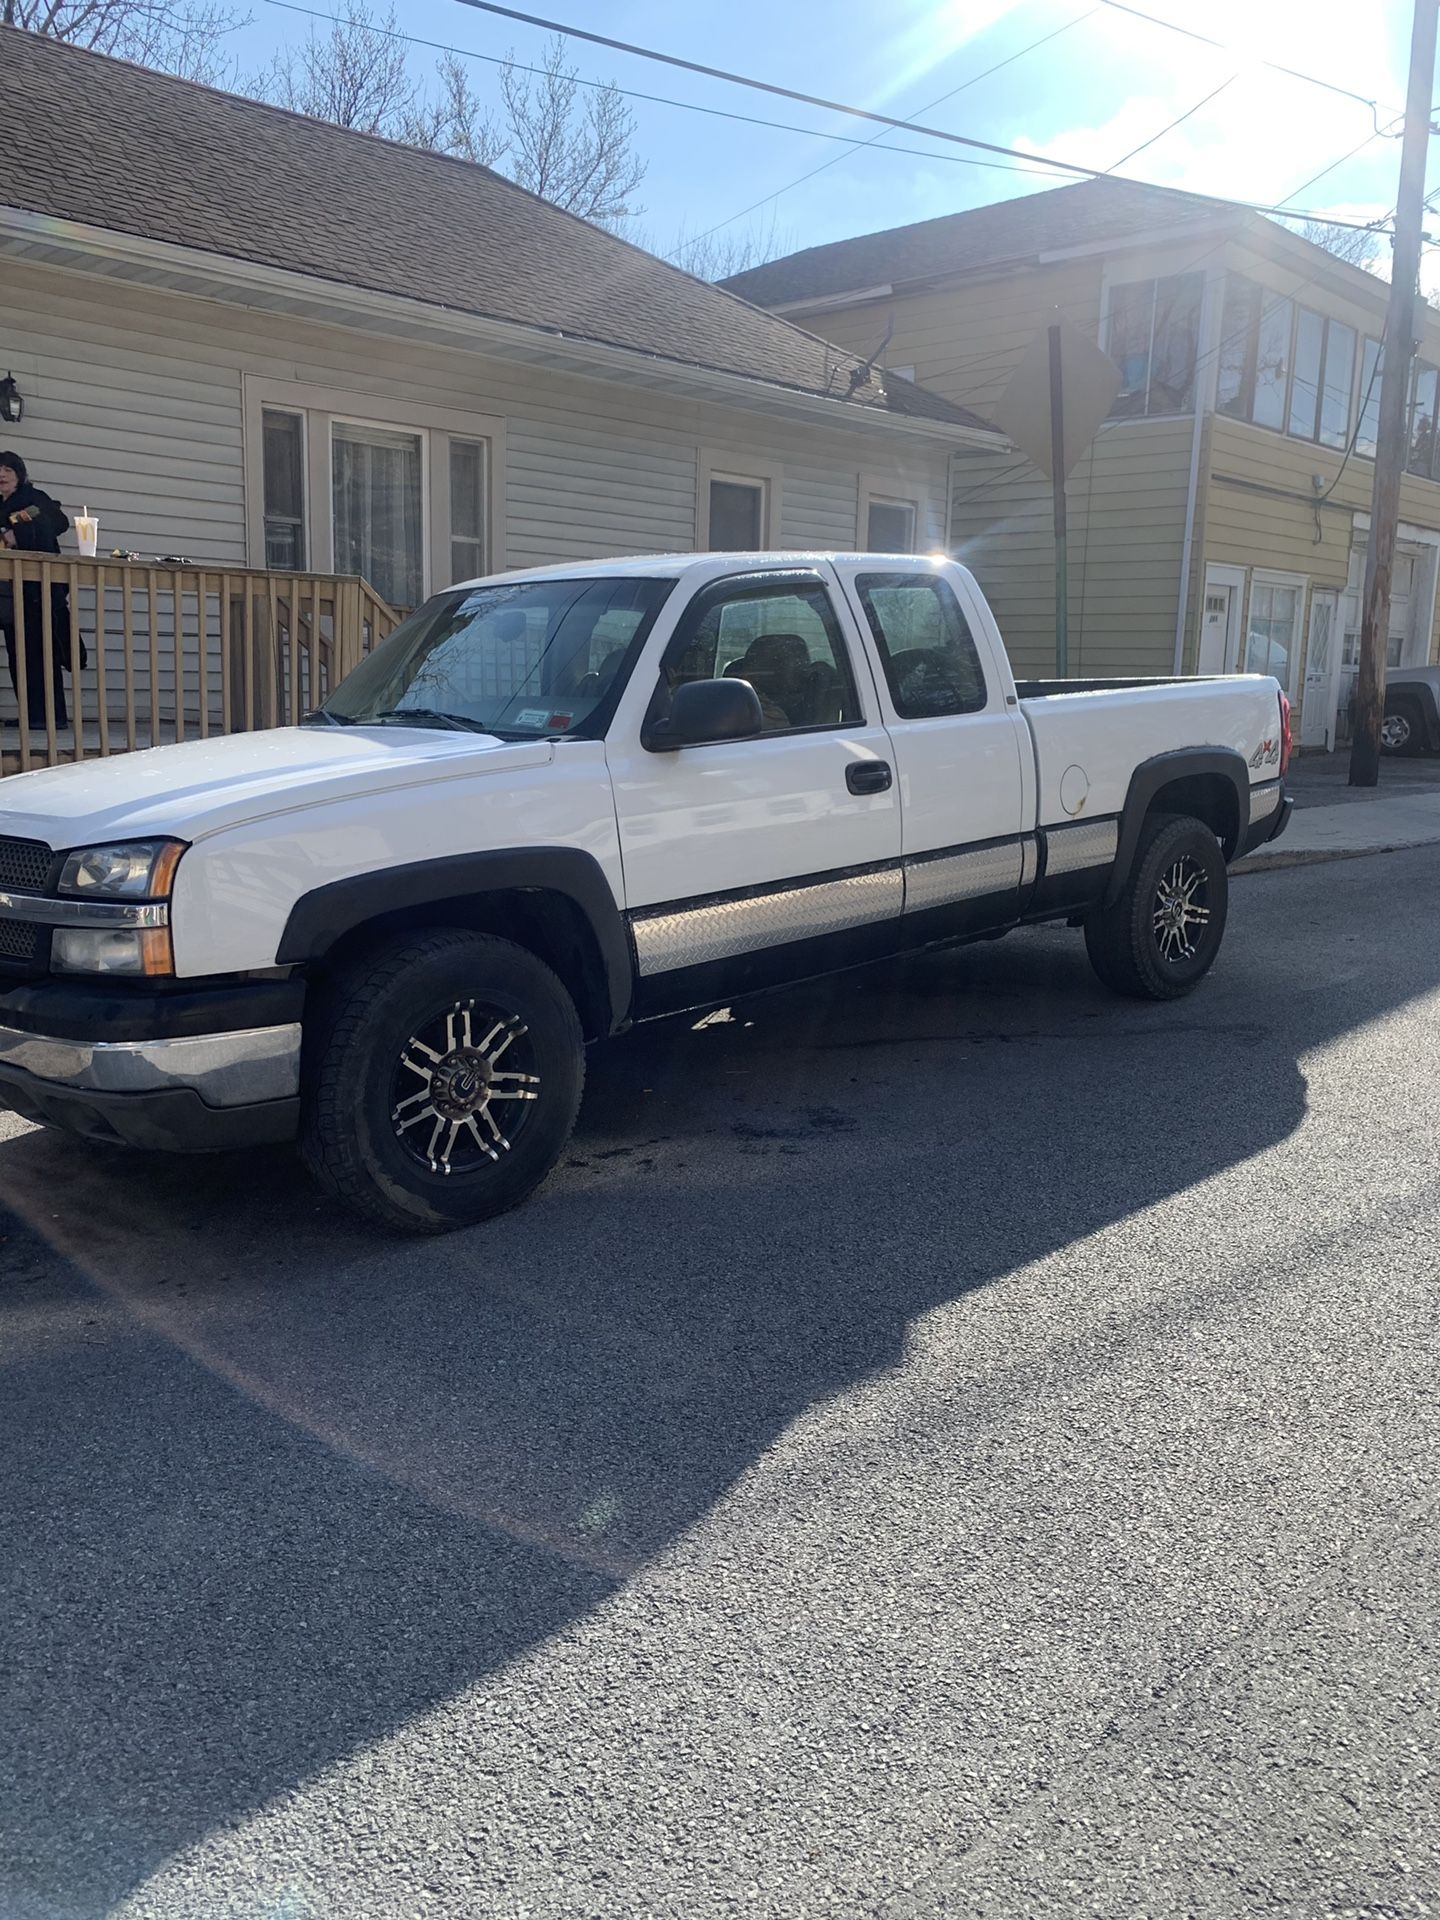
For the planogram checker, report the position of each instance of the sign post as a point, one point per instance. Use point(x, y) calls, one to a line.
point(1062, 389)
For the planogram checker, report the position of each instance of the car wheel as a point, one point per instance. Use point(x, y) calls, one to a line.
point(1400, 730)
point(1160, 938)
point(442, 1080)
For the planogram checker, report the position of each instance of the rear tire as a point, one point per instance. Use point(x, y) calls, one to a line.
point(443, 1077)
point(1160, 938)
point(1402, 731)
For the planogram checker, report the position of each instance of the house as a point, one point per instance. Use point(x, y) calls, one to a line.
point(1219, 518)
point(256, 340)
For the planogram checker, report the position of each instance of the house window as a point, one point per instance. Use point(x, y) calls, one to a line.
point(1284, 366)
point(284, 480)
point(890, 526)
point(1272, 630)
point(467, 509)
point(377, 500)
point(1371, 370)
point(737, 515)
point(1421, 456)
point(1154, 327)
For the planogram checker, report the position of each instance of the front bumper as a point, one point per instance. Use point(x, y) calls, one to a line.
point(192, 1092)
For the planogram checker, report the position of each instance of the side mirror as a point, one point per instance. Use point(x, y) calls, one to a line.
point(702, 711)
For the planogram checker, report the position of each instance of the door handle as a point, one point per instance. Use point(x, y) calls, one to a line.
point(868, 776)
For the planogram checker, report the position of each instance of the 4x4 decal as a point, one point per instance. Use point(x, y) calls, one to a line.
point(1267, 754)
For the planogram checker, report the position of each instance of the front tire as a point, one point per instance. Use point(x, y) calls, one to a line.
point(1160, 938)
point(442, 1080)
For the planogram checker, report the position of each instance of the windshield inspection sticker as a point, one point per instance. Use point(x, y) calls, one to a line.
point(532, 717)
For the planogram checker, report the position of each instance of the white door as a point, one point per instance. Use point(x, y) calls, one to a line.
point(1215, 628)
point(811, 800)
point(962, 750)
point(1317, 706)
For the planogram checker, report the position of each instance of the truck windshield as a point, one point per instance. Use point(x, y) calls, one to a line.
point(536, 657)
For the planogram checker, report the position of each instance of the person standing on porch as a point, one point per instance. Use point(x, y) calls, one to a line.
point(31, 522)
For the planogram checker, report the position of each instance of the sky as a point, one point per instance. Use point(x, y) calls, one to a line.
point(1104, 86)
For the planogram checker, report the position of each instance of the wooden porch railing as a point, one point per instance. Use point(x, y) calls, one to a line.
point(158, 653)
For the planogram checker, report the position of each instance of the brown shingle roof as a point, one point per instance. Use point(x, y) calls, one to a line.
point(1010, 231)
point(117, 146)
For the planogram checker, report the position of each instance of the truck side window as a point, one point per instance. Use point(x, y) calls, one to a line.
point(925, 644)
point(780, 635)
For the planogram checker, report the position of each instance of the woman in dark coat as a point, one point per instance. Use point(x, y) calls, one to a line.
point(32, 522)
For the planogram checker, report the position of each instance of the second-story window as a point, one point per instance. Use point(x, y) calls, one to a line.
point(1423, 454)
point(1153, 332)
point(1284, 366)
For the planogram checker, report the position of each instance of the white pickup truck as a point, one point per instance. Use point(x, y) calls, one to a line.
point(555, 803)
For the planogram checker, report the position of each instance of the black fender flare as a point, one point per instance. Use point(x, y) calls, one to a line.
point(1184, 763)
point(325, 915)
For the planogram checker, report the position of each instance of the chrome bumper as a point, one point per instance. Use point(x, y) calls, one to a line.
point(241, 1069)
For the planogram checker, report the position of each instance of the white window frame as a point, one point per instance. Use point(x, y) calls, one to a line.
point(427, 454)
point(1272, 577)
point(1122, 273)
point(306, 520)
point(320, 407)
point(740, 471)
point(875, 491)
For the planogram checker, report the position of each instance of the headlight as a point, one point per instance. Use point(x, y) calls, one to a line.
point(130, 870)
point(112, 950)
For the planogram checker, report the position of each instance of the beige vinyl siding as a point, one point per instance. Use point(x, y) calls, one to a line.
point(135, 407)
point(1126, 508)
point(964, 342)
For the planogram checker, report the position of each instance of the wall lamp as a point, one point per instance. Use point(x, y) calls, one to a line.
point(12, 401)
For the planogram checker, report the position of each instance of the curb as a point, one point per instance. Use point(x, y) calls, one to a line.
point(1314, 856)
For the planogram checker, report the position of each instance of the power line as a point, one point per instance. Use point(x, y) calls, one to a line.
point(1039, 167)
point(770, 87)
point(1037, 163)
point(1293, 73)
point(1171, 125)
point(929, 107)
point(838, 106)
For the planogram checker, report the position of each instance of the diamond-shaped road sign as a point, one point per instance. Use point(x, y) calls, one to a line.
point(1089, 382)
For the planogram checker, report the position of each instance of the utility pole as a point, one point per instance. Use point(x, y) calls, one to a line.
point(1392, 437)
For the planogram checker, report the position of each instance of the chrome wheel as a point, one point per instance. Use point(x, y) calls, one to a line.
point(449, 1081)
point(1182, 910)
point(1394, 733)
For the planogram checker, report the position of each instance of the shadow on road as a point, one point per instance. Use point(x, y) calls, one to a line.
point(273, 1485)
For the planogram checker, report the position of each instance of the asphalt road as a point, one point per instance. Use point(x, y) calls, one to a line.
point(946, 1443)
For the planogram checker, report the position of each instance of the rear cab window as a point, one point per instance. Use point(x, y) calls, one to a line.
point(928, 653)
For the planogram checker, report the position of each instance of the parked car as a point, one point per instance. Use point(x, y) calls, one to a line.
point(555, 803)
point(1412, 711)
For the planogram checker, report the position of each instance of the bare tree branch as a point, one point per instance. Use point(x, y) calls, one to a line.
point(179, 36)
point(718, 255)
point(572, 147)
point(1351, 244)
point(579, 156)
point(355, 75)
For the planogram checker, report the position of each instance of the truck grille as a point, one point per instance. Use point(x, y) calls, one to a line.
point(20, 943)
point(24, 866)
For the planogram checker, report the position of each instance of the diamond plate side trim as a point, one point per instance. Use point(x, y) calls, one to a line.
point(1029, 859)
point(948, 877)
point(695, 935)
point(1091, 844)
point(1264, 800)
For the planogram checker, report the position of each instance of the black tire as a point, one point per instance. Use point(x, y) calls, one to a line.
point(1142, 946)
point(1402, 731)
point(407, 1114)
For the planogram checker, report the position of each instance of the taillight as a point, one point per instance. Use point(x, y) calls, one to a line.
point(1287, 738)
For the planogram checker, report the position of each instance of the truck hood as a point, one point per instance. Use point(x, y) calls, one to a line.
point(204, 786)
